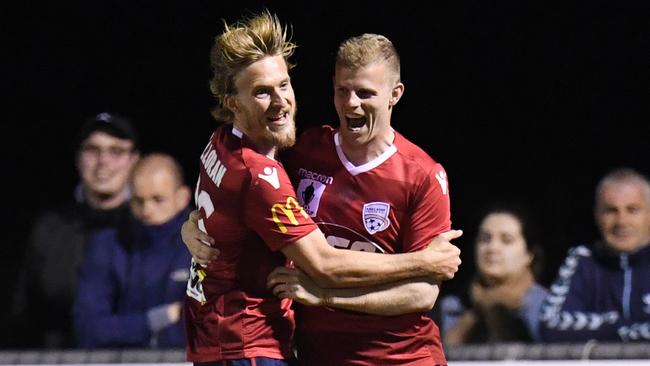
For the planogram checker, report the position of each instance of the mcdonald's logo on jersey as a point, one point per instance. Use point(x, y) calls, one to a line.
point(280, 211)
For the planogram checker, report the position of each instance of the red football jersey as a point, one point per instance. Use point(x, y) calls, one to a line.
point(396, 203)
point(248, 205)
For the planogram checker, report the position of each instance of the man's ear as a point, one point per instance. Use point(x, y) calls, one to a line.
point(396, 94)
point(183, 197)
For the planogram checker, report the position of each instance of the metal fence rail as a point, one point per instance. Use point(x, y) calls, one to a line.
point(484, 352)
point(578, 351)
point(78, 357)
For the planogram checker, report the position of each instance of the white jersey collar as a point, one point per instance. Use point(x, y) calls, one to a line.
point(237, 132)
point(355, 170)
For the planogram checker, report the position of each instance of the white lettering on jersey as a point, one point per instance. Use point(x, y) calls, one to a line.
point(194, 287)
point(441, 176)
point(212, 165)
point(308, 174)
point(343, 237)
point(271, 176)
point(358, 245)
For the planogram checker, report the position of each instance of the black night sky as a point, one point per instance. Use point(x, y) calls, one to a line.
point(532, 100)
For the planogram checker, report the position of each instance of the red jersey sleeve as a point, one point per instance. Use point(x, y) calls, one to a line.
point(431, 211)
point(272, 209)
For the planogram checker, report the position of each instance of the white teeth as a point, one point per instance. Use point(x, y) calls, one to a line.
point(280, 116)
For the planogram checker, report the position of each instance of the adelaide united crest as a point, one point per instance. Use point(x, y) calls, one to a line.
point(375, 216)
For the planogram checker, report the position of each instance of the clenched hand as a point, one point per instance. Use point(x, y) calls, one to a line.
point(445, 256)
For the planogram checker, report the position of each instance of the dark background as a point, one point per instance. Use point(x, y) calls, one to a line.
point(532, 100)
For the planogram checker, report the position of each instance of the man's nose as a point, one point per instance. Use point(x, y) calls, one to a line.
point(352, 100)
point(278, 99)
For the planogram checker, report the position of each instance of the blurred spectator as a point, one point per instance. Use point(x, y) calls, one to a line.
point(603, 292)
point(504, 295)
point(133, 278)
point(41, 310)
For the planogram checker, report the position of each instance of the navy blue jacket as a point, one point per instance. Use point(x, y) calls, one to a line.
point(599, 295)
point(126, 272)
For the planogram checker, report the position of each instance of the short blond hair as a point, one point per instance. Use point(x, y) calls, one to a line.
point(241, 44)
point(368, 48)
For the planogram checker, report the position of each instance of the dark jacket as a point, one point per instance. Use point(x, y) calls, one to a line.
point(125, 274)
point(599, 295)
point(41, 311)
point(515, 326)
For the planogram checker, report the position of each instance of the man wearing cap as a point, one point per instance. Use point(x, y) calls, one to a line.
point(45, 290)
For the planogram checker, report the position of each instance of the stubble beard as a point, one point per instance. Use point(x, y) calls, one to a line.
point(285, 138)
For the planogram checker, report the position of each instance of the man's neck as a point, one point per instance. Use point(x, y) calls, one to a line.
point(363, 153)
point(105, 202)
point(264, 149)
point(269, 150)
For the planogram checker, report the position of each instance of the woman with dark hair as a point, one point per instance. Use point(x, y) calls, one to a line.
point(504, 296)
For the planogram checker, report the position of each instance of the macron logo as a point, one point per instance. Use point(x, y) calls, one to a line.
point(442, 180)
point(271, 176)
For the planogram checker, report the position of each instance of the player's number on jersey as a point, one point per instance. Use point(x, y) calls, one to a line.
point(197, 272)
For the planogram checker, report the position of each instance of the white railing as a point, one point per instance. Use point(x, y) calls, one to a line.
point(595, 353)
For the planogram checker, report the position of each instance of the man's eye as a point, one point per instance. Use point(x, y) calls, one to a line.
point(262, 92)
point(91, 149)
point(365, 94)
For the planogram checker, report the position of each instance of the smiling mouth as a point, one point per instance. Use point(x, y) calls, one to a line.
point(622, 236)
point(280, 118)
point(103, 175)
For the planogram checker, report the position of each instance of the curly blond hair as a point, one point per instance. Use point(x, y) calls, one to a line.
point(241, 44)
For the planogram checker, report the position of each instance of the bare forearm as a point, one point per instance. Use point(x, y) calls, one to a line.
point(361, 269)
point(403, 297)
point(336, 268)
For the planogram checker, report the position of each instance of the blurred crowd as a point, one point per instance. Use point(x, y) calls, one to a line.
point(108, 269)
